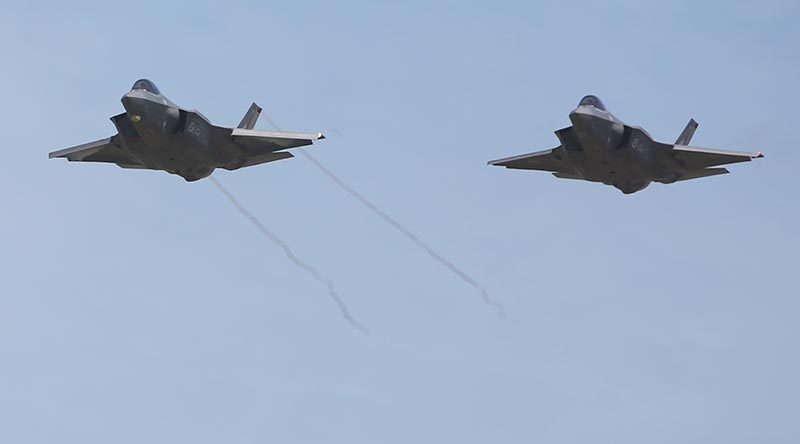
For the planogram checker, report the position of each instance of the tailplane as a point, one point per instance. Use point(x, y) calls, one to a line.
point(688, 132)
point(696, 174)
point(251, 117)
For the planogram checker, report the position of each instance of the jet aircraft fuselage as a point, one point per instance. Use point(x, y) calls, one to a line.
point(599, 147)
point(164, 137)
point(155, 133)
point(603, 150)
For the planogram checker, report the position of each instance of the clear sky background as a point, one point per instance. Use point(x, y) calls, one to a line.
point(136, 307)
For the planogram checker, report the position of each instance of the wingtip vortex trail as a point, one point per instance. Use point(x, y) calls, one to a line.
point(405, 231)
point(285, 247)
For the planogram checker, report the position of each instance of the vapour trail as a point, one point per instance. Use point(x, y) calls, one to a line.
point(319, 277)
point(391, 221)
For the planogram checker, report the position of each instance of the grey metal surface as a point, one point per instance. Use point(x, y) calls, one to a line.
point(686, 136)
point(599, 147)
point(155, 133)
point(251, 117)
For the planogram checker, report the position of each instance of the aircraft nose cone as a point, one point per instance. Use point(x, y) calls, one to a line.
point(582, 114)
point(133, 101)
point(136, 107)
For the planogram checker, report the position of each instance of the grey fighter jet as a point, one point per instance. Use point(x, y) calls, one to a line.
point(154, 133)
point(599, 147)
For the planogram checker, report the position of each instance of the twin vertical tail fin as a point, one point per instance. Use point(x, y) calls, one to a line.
point(250, 118)
point(686, 135)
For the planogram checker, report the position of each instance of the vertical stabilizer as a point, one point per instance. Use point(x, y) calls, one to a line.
point(251, 117)
point(688, 132)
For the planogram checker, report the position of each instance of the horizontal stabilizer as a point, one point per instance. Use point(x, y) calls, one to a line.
point(688, 132)
point(258, 160)
point(575, 176)
point(251, 117)
point(704, 173)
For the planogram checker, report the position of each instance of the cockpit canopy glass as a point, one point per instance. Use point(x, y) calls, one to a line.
point(592, 101)
point(146, 85)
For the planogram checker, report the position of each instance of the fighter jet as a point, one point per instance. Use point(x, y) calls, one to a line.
point(599, 147)
point(156, 134)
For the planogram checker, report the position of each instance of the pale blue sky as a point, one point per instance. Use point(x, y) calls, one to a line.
point(136, 307)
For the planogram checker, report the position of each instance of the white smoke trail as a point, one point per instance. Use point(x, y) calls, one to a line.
point(276, 240)
point(391, 221)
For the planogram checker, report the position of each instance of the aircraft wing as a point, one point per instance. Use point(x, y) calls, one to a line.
point(548, 160)
point(259, 142)
point(693, 158)
point(103, 150)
